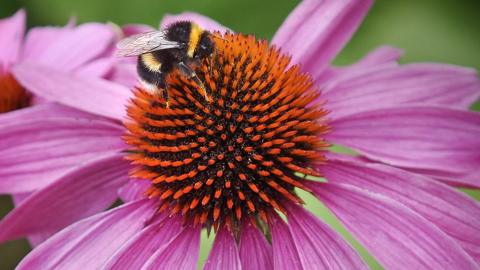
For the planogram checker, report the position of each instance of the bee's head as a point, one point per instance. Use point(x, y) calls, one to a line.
point(205, 46)
point(179, 32)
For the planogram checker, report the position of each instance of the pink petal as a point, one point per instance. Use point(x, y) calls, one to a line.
point(136, 252)
point(44, 111)
point(12, 30)
point(98, 68)
point(33, 239)
point(75, 48)
point(395, 235)
point(205, 22)
point(133, 29)
point(224, 253)
point(124, 72)
point(133, 190)
point(80, 193)
point(455, 213)
point(39, 39)
point(89, 243)
point(317, 30)
point(426, 138)
point(180, 253)
point(318, 245)
point(377, 87)
point(255, 251)
point(384, 56)
point(26, 166)
point(89, 94)
point(285, 252)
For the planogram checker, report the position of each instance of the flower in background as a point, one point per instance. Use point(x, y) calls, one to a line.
point(235, 164)
point(83, 50)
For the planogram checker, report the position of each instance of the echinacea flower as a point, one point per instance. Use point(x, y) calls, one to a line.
point(234, 164)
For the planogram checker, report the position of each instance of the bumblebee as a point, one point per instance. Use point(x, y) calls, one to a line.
point(160, 52)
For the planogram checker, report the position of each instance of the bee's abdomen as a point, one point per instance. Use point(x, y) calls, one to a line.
point(156, 77)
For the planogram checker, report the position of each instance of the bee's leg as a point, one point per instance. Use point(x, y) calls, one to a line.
point(162, 85)
point(166, 96)
point(192, 75)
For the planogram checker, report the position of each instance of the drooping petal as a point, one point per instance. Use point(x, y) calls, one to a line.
point(205, 22)
point(441, 140)
point(317, 30)
point(255, 251)
point(136, 252)
point(224, 254)
point(26, 165)
point(455, 213)
point(318, 245)
point(285, 253)
point(33, 239)
point(380, 87)
point(77, 47)
point(11, 30)
point(394, 234)
point(88, 244)
point(89, 94)
point(134, 189)
point(78, 194)
point(180, 253)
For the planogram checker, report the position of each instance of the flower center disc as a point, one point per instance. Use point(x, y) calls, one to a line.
point(239, 155)
point(12, 94)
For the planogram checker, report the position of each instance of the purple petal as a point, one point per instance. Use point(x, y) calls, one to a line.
point(438, 139)
point(205, 22)
point(180, 253)
point(89, 94)
point(78, 46)
point(455, 213)
point(395, 235)
point(12, 30)
point(88, 244)
point(318, 245)
point(26, 166)
point(255, 251)
point(377, 87)
point(317, 30)
point(285, 253)
point(134, 190)
point(78, 194)
point(224, 253)
point(136, 252)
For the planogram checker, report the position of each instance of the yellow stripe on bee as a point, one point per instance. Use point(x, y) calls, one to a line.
point(195, 33)
point(151, 62)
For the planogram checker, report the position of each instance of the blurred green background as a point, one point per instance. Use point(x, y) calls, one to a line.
point(428, 30)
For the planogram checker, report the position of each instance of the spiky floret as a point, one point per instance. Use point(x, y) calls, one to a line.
point(241, 154)
point(12, 94)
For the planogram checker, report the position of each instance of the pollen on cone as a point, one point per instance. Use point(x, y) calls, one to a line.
point(240, 154)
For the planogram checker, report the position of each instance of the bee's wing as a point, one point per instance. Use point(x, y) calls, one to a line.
point(144, 43)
